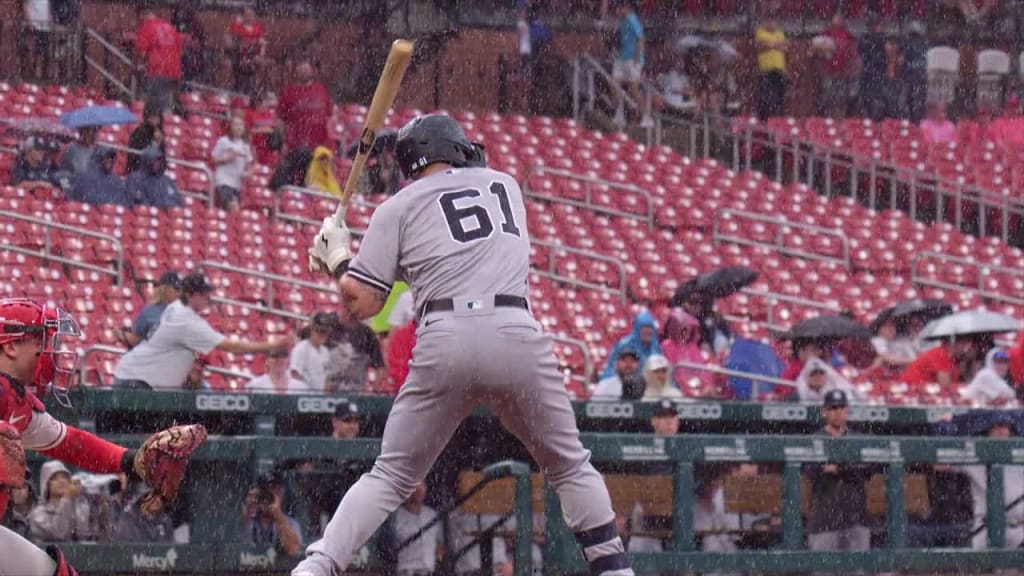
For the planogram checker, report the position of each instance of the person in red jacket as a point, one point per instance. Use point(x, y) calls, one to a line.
point(248, 45)
point(1017, 362)
point(304, 108)
point(33, 355)
point(159, 45)
point(401, 341)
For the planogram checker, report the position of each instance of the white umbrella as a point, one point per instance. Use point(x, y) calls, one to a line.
point(971, 322)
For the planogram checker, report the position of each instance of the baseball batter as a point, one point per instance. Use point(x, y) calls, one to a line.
point(457, 235)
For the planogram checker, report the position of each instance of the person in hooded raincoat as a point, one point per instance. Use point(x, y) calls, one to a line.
point(149, 185)
point(989, 386)
point(320, 174)
point(643, 339)
point(816, 380)
point(99, 185)
point(681, 343)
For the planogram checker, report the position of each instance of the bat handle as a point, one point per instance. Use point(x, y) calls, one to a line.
point(339, 213)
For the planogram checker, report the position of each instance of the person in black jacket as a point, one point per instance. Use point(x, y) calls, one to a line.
point(838, 515)
point(99, 185)
point(150, 131)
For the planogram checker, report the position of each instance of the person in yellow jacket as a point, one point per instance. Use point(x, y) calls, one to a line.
point(771, 67)
point(320, 174)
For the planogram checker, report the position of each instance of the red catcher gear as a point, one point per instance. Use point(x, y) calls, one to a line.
point(63, 568)
point(161, 462)
point(12, 457)
point(22, 318)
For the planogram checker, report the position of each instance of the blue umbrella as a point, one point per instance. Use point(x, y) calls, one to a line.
point(98, 116)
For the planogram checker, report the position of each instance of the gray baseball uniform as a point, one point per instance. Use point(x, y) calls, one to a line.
point(460, 236)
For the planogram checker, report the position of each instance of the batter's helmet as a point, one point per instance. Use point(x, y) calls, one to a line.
point(434, 138)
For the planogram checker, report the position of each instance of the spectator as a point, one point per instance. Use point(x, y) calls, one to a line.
point(914, 72)
point(265, 134)
point(149, 185)
point(382, 176)
point(771, 66)
point(643, 339)
point(354, 350)
point(163, 361)
point(264, 520)
point(291, 171)
point(99, 185)
point(952, 362)
point(39, 21)
point(231, 157)
point(1001, 426)
point(401, 341)
point(320, 174)
point(304, 109)
point(837, 57)
point(310, 356)
point(420, 556)
point(1008, 128)
point(628, 67)
point(816, 380)
point(346, 423)
point(715, 334)
point(146, 134)
point(248, 47)
point(168, 289)
point(838, 515)
point(803, 351)
point(196, 379)
point(657, 384)
point(1017, 362)
point(22, 501)
point(31, 168)
point(159, 46)
point(894, 352)
point(193, 42)
point(132, 526)
point(79, 155)
point(276, 379)
point(936, 128)
point(624, 382)
point(875, 87)
point(62, 514)
point(990, 386)
point(680, 343)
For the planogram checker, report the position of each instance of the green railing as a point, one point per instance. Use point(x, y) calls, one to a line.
point(224, 467)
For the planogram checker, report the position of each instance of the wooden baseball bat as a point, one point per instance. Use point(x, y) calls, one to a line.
point(383, 97)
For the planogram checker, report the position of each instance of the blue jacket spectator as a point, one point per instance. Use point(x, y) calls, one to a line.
point(643, 339)
point(32, 169)
point(149, 185)
point(98, 184)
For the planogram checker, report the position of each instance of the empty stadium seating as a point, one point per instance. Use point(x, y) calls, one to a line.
point(661, 235)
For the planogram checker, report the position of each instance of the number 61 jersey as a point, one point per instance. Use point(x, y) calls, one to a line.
point(457, 233)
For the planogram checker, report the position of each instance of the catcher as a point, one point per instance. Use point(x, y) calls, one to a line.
point(33, 354)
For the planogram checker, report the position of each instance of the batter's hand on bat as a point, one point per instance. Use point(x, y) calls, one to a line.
point(331, 247)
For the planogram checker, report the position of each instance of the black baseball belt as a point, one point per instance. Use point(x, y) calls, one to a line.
point(500, 301)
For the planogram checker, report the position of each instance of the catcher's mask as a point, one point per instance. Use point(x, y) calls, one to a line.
point(57, 364)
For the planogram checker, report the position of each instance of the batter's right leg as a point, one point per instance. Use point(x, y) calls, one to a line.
point(534, 405)
point(433, 401)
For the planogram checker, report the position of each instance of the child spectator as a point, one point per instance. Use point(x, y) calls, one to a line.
point(265, 136)
point(231, 157)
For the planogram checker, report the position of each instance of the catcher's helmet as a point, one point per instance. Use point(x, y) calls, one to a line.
point(24, 318)
point(434, 138)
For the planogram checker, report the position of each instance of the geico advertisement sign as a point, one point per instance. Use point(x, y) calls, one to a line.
point(609, 410)
point(318, 404)
point(222, 402)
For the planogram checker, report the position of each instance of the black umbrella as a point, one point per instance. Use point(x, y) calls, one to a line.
point(715, 284)
point(826, 328)
point(924, 308)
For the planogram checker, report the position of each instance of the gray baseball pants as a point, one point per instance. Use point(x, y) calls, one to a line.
point(499, 357)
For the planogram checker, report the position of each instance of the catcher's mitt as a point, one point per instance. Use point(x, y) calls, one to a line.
point(12, 457)
point(161, 462)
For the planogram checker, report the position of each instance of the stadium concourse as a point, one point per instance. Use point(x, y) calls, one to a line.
point(661, 231)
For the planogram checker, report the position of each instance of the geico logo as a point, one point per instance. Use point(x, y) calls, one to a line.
point(784, 413)
point(317, 405)
point(869, 414)
point(226, 403)
point(609, 410)
point(699, 411)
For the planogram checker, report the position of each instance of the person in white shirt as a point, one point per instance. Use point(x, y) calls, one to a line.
point(419, 557)
point(276, 380)
point(39, 20)
point(613, 387)
point(989, 386)
point(657, 384)
point(163, 361)
point(231, 157)
point(310, 356)
point(817, 379)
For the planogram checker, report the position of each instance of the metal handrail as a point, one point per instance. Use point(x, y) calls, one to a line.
point(272, 279)
point(279, 215)
point(778, 245)
point(774, 297)
point(552, 273)
point(83, 366)
point(46, 254)
point(588, 360)
point(983, 270)
point(117, 53)
point(720, 371)
point(202, 167)
point(589, 182)
point(92, 33)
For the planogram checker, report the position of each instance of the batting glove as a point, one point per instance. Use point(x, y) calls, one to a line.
point(331, 247)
